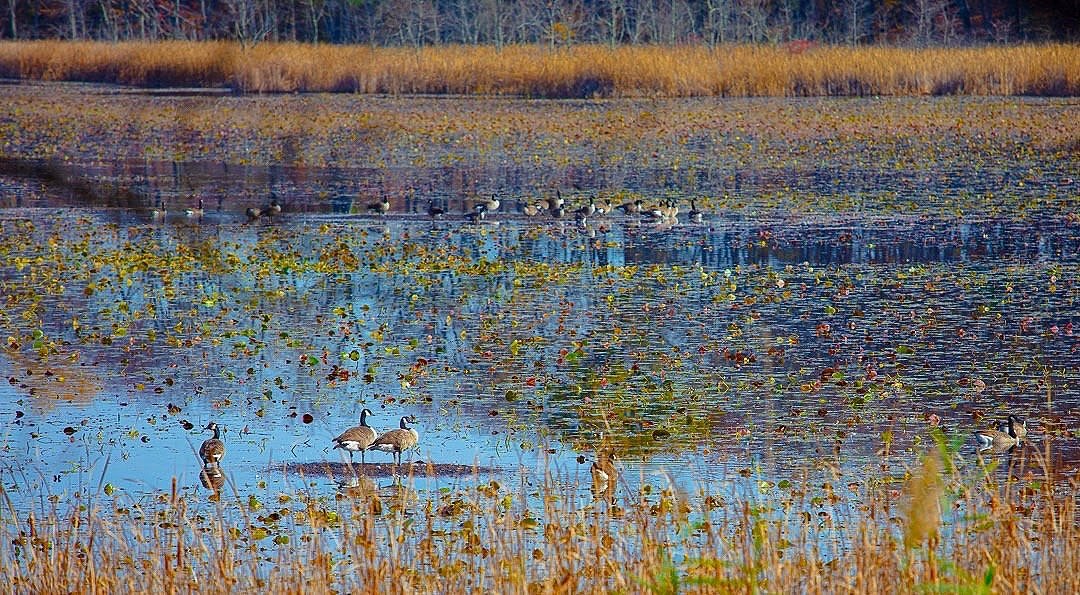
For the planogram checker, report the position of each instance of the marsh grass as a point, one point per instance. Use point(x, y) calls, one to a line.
point(949, 528)
point(577, 71)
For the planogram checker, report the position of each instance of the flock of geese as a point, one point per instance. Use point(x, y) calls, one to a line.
point(361, 438)
point(666, 211)
point(603, 470)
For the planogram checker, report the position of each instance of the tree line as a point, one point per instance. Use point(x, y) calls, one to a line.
point(554, 22)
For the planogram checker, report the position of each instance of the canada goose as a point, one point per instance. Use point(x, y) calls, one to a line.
point(532, 210)
point(997, 439)
point(559, 201)
point(357, 438)
point(477, 215)
point(380, 208)
point(603, 207)
point(397, 441)
point(587, 210)
point(272, 210)
point(603, 470)
point(695, 215)
point(1019, 427)
point(493, 204)
point(253, 213)
point(195, 213)
point(159, 212)
point(654, 213)
point(630, 208)
point(212, 449)
point(433, 211)
point(670, 210)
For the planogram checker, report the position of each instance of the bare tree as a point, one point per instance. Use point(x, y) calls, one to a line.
point(927, 17)
point(856, 20)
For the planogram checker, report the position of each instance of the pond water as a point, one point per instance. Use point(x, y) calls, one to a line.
point(840, 300)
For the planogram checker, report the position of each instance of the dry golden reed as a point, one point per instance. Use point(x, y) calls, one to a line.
point(573, 71)
point(1009, 537)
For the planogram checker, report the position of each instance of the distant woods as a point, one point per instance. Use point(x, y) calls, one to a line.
point(418, 23)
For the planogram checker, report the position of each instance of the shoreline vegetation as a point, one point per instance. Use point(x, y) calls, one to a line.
point(948, 526)
point(795, 69)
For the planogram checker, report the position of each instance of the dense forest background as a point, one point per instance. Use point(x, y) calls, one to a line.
point(501, 22)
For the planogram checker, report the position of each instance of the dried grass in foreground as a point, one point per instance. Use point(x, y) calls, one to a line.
point(944, 530)
point(576, 71)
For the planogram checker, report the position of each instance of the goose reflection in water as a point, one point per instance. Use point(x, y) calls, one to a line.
point(212, 477)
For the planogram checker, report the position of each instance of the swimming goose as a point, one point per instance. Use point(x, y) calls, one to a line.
point(630, 208)
point(587, 210)
point(195, 213)
point(212, 449)
point(1019, 427)
point(997, 439)
point(477, 215)
point(433, 211)
point(493, 204)
point(397, 441)
point(695, 215)
point(253, 213)
point(357, 438)
point(603, 207)
point(159, 212)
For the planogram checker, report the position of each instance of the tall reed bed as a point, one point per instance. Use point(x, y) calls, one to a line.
point(574, 71)
point(943, 530)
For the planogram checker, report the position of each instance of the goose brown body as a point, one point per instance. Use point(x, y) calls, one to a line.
point(1019, 428)
point(357, 438)
point(381, 207)
point(397, 441)
point(603, 470)
point(212, 449)
point(999, 440)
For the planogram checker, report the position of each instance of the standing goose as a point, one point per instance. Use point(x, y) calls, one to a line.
point(357, 438)
point(379, 208)
point(397, 441)
point(272, 210)
point(557, 207)
point(998, 440)
point(212, 449)
point(253, 213)
point(603, 470)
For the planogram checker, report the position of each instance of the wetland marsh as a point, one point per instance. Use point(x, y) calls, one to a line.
point(873, 280)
